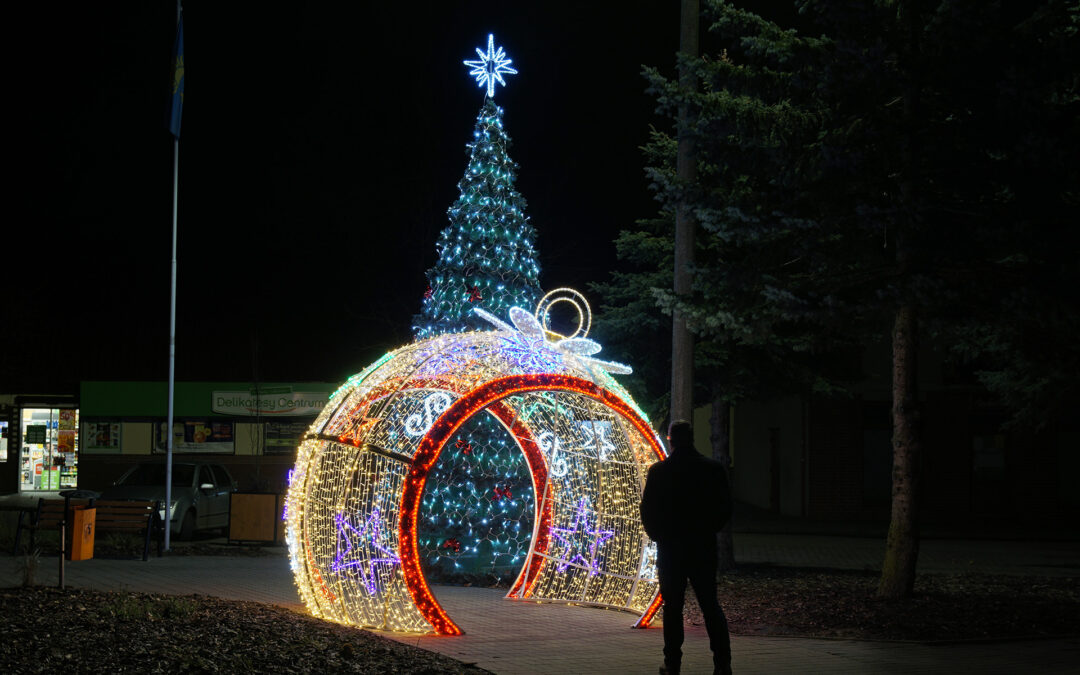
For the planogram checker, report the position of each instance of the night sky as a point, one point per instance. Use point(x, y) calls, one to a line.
point(320, 149)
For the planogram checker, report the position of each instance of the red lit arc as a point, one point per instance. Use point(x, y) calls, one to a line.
point(440, 433)
point(647, 618)
point(539, 470)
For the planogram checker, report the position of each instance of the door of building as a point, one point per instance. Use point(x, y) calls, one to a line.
point(49, 452)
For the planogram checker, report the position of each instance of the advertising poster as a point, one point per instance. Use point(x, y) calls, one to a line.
point(67, 419)
point(196, 436)
point(283, 437)
point(101, 437)
point(65, 440)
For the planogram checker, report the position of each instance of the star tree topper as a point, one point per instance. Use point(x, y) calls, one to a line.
point(491, 67)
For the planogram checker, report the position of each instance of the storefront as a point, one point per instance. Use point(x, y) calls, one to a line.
point(49, 452)
point(252, 431)
point(60, 442)
point(39, 443)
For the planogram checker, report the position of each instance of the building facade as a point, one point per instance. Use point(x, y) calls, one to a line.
point(87, 441)
point(830, 458)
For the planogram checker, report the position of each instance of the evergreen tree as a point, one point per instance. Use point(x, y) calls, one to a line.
point(1023, 186)
point(890, 175)
point(478, 501)
point(486, 254)
point(632, 322)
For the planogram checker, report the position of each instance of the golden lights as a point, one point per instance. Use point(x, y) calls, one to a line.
point(356, 490)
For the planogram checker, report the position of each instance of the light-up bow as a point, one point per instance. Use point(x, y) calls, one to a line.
point(580, 348)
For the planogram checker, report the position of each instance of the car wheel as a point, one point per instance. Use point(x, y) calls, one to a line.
point(187, 526)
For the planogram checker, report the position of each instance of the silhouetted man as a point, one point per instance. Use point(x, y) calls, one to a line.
point(685, 503)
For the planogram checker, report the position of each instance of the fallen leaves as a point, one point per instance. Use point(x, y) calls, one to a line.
point(83, 631)
point(763, 600)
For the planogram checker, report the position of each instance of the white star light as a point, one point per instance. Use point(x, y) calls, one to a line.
point(491, 67)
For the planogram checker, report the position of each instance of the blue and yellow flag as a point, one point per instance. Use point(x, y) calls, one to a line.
point(177, 101)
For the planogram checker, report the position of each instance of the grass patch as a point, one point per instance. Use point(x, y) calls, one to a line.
point(141, 607)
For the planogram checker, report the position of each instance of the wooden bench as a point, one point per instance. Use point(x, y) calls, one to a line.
point(134, 518)
point(131, 517)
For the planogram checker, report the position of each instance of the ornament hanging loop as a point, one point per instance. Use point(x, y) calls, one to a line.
point(567, 295)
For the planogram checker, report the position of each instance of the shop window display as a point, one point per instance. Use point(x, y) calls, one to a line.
point(50, 448)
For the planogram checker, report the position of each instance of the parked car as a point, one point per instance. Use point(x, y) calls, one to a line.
point(200, 493)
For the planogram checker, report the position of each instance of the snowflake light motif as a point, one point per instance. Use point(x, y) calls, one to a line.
point(491, 67)
point(648, 561)
point(447, 361)
point(598, 537)
point(523, 351)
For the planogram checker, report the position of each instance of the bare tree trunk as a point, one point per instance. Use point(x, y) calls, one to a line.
point(682, 343)
point(720, 436)
point(902, 546)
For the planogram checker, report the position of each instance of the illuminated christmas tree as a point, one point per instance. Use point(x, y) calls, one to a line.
point(486, 254)
point(478, 502)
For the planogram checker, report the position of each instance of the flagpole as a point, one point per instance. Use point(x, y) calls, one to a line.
point(172, 336)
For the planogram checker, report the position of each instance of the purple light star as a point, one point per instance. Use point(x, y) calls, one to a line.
point(370, 532)
point(599, 536)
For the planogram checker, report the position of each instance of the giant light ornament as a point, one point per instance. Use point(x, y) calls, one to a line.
point(355, 493)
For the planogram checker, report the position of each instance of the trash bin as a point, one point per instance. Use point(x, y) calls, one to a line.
point(254, 517)
point(80, 532)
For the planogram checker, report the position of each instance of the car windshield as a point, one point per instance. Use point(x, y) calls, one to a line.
point(154, 474)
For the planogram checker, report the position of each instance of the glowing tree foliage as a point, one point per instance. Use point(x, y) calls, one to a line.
point(486, 255)
point(476, 521)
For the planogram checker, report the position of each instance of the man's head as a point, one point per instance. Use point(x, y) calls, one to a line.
point(681, 434)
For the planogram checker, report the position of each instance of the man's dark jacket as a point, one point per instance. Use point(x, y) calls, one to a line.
point(686, 498)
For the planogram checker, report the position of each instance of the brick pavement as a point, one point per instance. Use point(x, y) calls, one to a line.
point(509, 637)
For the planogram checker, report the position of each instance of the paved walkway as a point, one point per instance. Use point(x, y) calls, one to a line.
point(508, 637)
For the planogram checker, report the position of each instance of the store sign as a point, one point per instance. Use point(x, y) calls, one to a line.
point(280, 401)
point(283, 437)
point(35, 434)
